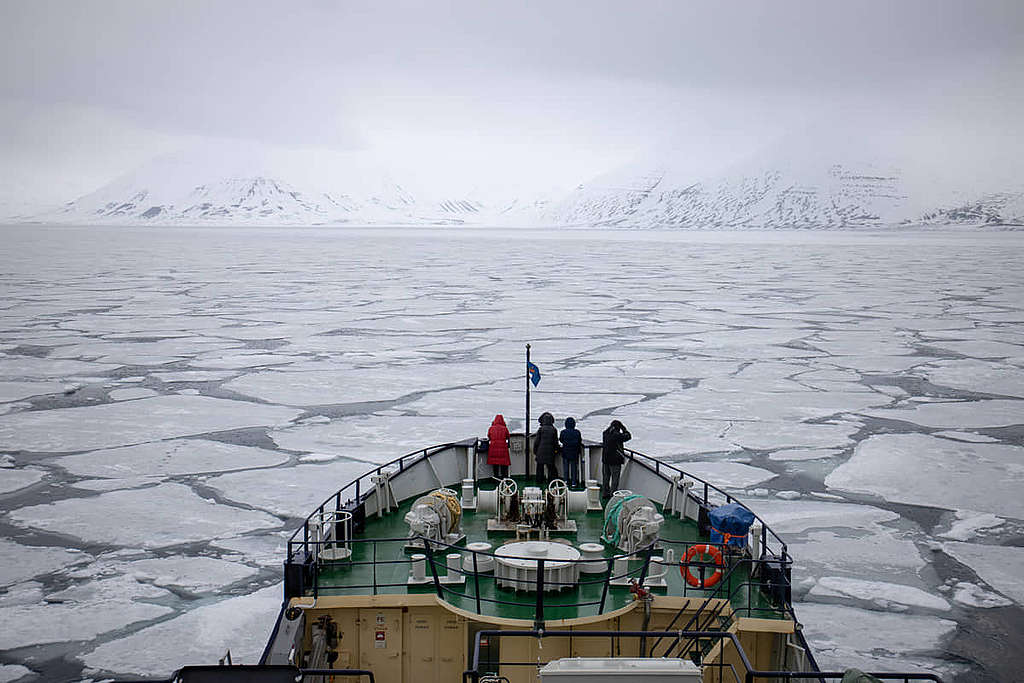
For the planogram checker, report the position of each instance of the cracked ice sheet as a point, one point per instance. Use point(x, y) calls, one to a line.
point(701, 403)
point(982, 349)
point(359, 437)
point(13, 480)
point(13, 672)
point(977, 376)
point(839, 538)
point(86, 612)
point(15, 391)
point(194, 575)
point(957, 414)
point(881, 595)
point(466, 402)
point(329, 385)
point(289, 491)
point(141, 353)
point(843, 637)
point(25, 367)
point(20, 562)
point(240, 624)
point(727, 475)
point(120, 424)
point(1001, 567)
point(132, 393)
point(164, 515)
point(918, 469)
point(169, 458)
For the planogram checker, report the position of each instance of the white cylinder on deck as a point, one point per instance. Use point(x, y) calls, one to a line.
point(418, 574)
point(484, 562)
point(468, 493)
point(454, 560)
point(516, 565)
point(593, 556)
point(620, 568)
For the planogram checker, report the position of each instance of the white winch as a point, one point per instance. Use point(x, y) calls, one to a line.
point(631, 522)
point(516, 565)
point(435, 517)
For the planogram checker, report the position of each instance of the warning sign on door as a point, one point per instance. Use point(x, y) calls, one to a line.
point(380, 639)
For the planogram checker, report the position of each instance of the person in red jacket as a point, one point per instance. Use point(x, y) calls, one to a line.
point(497, 449)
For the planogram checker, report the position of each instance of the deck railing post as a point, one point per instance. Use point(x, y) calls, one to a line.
point(604, 589)
point(476, 583)
point(433, 568)
point(539, 617)
point(648, 552)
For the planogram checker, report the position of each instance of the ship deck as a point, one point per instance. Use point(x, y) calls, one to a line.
point(380, 564)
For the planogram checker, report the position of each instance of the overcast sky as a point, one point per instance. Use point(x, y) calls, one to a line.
point(539, 94)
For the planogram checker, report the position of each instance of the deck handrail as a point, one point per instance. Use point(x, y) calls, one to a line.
point(428, 452)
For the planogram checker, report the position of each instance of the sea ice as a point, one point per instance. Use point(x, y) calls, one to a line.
point(168, 458)
point(842, 637)
point(1001, 567)
point(727, 475)
point(800, 454)
point(982, 349)
point(160, 516)
point(968, 524)
point(240, 624)
point(958, 414)
point(763, 435)
point(924, 470)
point(191, 574)
point(183, 376)
point(13, 480)
point(132, 393)
point(965, 436)
point(332, 385)
point(21, 368)
point(987, 377)
point(131, 422)
point(292, 491)
point(360, 437)
point(14, 391)
point(20, 562)
point(81, 613)
point(264, 550)
point(973, 595)
point(876, 594)
point(14, 672)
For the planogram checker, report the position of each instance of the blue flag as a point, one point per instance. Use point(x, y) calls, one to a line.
point(533, 372)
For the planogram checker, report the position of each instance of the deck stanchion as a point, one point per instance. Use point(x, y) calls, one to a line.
point(374, 567)
point(476, 583)
point(433, 567)
point(604, 589)
point(539, 617)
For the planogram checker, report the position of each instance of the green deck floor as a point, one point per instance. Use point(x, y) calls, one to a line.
point(380, 563)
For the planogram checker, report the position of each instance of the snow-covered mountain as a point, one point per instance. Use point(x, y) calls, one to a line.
point(782, 196)
point(996, 208)
point(176, 191)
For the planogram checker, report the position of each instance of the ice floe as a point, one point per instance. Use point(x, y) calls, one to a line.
point(131, 422)
point(727, 475)
point(1001, 567)
point(159, 516)
point(291, 491)
point(973, 595)
point(986, 377)
point(14, 672)
point(168, 458)
point(965, 436)
point(360, 438)
point(190, 574)
point(13, 480)
point(843, 637)
point(958, 414)
point(81, 613)
point(801, 454)
point(14, 391)
point(968, 524)
point(241, 624)
point(19, 562)
point(924, 470)
point(131, 393)
point(891, 597)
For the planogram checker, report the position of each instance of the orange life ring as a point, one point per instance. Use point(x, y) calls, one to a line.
point(711, 551)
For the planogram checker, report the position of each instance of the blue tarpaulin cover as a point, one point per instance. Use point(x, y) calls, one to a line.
point(732, 519)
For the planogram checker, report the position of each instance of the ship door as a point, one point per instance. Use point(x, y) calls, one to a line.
point(380, 643)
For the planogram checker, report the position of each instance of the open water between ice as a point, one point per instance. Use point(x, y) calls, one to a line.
point(173, 401)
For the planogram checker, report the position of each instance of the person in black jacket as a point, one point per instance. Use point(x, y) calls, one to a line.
point(612, 456)
point(572, 449)
point(545, 447)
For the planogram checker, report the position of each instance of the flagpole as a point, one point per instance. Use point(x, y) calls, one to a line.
point(526, 429)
